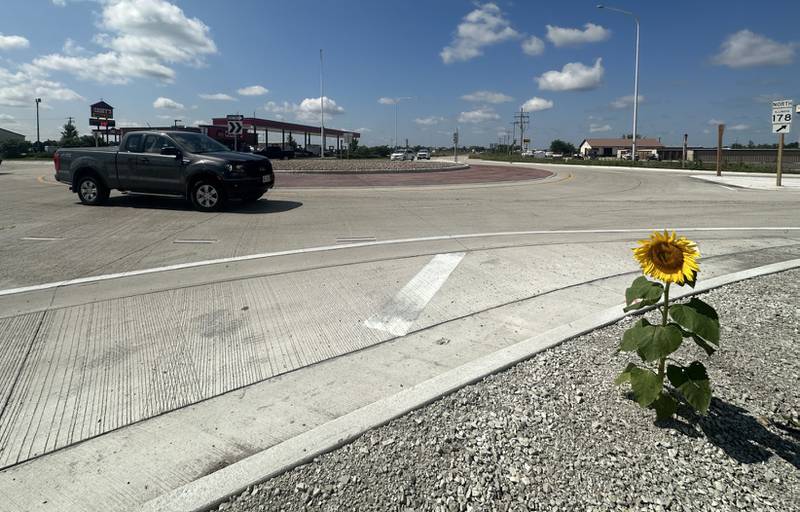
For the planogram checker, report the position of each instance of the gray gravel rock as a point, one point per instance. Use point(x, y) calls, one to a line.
point(553, 433)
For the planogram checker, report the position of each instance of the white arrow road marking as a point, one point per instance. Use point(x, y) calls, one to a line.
point(397, 315)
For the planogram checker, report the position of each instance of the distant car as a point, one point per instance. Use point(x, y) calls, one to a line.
point(276, 153)
point(303, 153)
point(402, 154)
point(539, 154)
point(577, 156)
point(528, 152)
point(557, 155)
point(548, 154)
point(423, 154)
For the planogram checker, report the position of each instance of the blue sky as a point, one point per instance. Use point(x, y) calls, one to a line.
point(155, 61)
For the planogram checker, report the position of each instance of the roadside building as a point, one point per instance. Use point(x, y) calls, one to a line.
point(8, 135)
point(614, 148)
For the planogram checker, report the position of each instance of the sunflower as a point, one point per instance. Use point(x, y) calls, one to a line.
point(668, 257)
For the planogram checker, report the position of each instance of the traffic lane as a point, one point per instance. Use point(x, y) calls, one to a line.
point(473, 175)
point(140, 232)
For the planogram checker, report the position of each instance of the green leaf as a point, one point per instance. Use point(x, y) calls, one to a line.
point(704, 345)
point(698, 317)
point(693, 384)
point(646, 385)
point(633, 336)
point(665, 406)
point(641, 293)
point(625, 376)
point(658, 341)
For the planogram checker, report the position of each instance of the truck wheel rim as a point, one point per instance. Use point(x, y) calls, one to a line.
point(207, 196)
point(89, 190)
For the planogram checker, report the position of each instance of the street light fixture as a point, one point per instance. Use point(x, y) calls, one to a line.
point(635, 76)
point(38, 139)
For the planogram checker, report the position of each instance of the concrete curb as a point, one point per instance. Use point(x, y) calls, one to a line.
point(711, 179)
point(211, 490)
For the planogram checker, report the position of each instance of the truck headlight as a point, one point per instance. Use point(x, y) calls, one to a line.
point(228, 167)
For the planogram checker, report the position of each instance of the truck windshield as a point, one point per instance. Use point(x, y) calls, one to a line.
point(197, 143)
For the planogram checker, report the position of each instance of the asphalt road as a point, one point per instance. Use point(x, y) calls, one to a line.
point(171, 307)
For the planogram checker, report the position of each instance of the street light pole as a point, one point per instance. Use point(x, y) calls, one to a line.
point(635, 77)
point(38, 139)
point(321, 108)
point(396, 102)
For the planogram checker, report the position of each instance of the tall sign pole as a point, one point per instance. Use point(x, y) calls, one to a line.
point(683, 155)
point(780, 160)
point(720, 131)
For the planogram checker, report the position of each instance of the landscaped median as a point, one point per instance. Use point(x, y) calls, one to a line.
point(555, 433)
point(363, 165)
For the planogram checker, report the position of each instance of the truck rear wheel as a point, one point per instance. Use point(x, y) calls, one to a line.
point(91, 191)
point(207, 195)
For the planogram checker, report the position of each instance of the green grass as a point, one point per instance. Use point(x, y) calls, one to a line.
point(708, 166)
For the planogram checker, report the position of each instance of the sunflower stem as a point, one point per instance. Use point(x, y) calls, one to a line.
point(664, 318)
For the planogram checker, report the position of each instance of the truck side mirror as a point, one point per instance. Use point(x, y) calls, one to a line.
point(170, 150)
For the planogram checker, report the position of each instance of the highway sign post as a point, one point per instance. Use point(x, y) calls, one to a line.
point(720, 132)
point(455, 145)
point(235, 129)
point(781, 124)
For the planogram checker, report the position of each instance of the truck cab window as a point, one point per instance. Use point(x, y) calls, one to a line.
point(154, 143)
point(134, 144)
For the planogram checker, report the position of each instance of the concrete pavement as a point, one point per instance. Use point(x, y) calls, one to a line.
point(115, 391)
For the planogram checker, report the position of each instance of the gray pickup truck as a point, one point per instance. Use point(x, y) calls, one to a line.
point(176, 163)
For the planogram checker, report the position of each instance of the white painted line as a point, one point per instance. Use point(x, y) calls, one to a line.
point(189, 241)
point(397, 315)
point(352, 239)
point(209, 491)
point(42, 238)
point(325, 248)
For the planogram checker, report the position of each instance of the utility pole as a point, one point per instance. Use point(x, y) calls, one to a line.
point(321, 108)
point(38, 139)
point(522, 119)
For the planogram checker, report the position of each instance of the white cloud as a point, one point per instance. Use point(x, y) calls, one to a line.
point(6, 117)
point(739, 127)
point(595, 128)
point(142, 38)
point(574, 76)
point(428, 121)
point(625, 101)
point(253, 90)
point(487, 97)
point(533, 46)
point(747, 49)
point(72, 48)
point(561, 36)
point(310, 108)
point(166, 103)
point(198, 122)
point(13, 42)
point(387, 101)
point(60, 3)
point(482, 27)
point(307, 110)
point(363, 130)
point(218, 96)
point(536, 104)
point(714, 122)
point(18, 89)
point(478, 115)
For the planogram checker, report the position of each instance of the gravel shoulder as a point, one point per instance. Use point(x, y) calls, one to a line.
point(330, 165)
point(555, 433)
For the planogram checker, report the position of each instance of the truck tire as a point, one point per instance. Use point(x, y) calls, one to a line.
point(207, 195)
point(91, 190)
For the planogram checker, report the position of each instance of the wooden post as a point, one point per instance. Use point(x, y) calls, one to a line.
point(720, 131)
point(780, 159)
point(683, 155)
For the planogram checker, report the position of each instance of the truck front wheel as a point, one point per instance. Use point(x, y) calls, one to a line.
point(207, 196)
point(91, 191)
